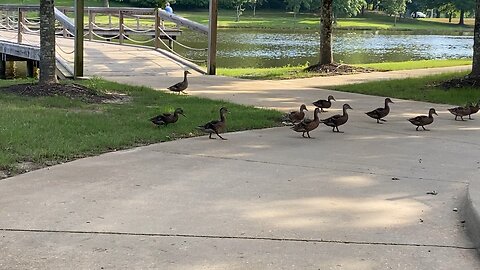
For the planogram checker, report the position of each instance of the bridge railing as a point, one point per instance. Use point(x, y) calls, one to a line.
point(140, 26)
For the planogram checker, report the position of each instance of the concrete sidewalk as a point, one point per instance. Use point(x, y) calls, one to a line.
point(264, 199)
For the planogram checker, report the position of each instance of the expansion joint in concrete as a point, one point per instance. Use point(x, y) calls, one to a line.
point(325, 241)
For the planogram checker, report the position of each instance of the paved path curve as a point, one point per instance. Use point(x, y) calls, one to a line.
point(264, 199)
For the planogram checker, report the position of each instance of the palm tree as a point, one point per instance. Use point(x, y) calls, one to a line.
point(47, 43)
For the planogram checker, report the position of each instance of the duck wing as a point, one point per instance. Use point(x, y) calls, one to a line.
point(303, 126)
point(377, 113)
point(211, 126)
point(320, 103)
point(161, 118)
point(331, 121)
point(419, 120)
point(179, 86)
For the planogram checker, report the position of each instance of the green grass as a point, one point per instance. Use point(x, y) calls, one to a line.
point(282, 73)
point(420, 89)
point(284, 20)
point(46, 130)
point(406, 65)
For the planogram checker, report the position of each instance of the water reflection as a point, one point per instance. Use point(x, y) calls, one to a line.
point(274, 48)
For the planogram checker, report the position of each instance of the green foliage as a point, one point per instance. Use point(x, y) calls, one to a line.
point(348, 8)
point(394, 7)
point(296, 5)
point(192, 4)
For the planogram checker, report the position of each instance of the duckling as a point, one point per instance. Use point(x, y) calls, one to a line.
point(337, 120)
point(167, 118)
point(308, 125)
point(423, 120)
point(296, 116)
point(380, 113)
point(473, 109)
point(181, 86)
point(460, 111)
point(321, 103)
point(216, 126)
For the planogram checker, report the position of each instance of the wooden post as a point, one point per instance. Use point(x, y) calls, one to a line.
point(30, 68)
point(20, 26)
point(3, 68)
point(212, 38)
point(79, 24)
point(157, 30)
point(120, 27)
point(90, 25)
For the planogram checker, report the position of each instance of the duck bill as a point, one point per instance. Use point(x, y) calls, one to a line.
point(183, 115)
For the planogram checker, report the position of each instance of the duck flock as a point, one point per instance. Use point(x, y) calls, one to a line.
point(305, 125)
point(300, 123)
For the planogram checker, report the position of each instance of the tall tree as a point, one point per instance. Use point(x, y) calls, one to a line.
point(326, 20)
point(296, 5)
point(394, 7)
point(463, 6)
point(476, 44)
point(47, 43)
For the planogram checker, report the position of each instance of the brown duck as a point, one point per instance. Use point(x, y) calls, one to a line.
point(216, 126)
point(474, 109)
point(308, 125)
point(460, 112)
point(321, 103)
point(380, 113)
point(181, 86)
point(296, 116)
point(337, 120)
point(167, 118)
point(423, 120)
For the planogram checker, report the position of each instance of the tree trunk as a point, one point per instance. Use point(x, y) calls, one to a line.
point(476, 44)
point(47, 43)
point(395, 20)
point(450, 17)
point(254, 9)
point(326, 12)
point(462, 16)
point(106, 3)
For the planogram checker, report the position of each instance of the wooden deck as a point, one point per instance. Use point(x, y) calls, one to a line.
point(109, 59)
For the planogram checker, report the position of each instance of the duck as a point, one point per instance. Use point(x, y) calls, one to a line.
point(473, 109)
point(308, 125)
point(167, 118)
point(181, 86)
point(296, 116)
point(380, 113)
point(337, 120)
point(321, 103)
point(423, 120)
point(216, 126)
point(460, 112)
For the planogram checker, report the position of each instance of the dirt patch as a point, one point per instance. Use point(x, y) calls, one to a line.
point(461, 82)
point(337, 69)
point(72, 91)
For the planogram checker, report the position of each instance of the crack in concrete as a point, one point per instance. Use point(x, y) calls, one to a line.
point(311, 167)
point(239, 238)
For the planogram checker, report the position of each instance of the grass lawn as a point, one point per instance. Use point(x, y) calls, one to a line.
point(420, 89)
point(285, 20)
point(48, 130)
point(283, 73)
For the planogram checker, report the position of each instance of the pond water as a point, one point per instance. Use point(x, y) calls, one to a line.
point(276, 48)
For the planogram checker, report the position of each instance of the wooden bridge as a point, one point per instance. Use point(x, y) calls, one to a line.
point(109, 47)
